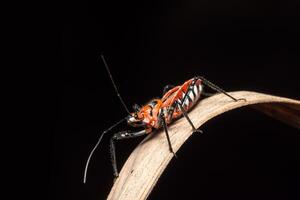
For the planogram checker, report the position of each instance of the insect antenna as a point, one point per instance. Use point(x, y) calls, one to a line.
point(113, 82)
point(95, 147)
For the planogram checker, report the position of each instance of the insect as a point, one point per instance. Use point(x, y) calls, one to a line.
point(157, 113)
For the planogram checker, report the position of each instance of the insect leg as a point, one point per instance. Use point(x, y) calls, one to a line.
point(164, 124)
point(113, 157)
point(120, 136)
point(188, 118)
point(216, 88)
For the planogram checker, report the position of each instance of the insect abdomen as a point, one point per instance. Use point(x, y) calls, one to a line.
point(187, 95)
point(190, 93)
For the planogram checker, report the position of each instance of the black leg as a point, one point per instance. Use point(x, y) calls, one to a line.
point(120, 136)
point(164, 124)
point(188, 118)
point(113, 157)
point(216, 88)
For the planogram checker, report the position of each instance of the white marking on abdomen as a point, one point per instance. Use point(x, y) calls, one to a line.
point(196, 90)
point(200, 88)
point(186, 102)
point(191, 95)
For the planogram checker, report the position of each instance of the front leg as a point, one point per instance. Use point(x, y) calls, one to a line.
point(120, 136)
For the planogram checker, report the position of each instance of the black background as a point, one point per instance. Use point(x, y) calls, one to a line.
point(239, 45)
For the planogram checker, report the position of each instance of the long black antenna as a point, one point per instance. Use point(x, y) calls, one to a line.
point(115, 86)
point(95, 147)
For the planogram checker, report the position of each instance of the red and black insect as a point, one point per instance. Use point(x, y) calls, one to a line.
point(158, 113)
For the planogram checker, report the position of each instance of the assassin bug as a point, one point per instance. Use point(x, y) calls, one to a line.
point(157, 113)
